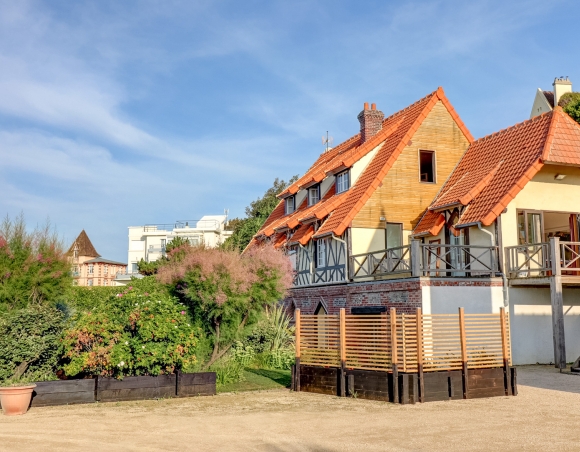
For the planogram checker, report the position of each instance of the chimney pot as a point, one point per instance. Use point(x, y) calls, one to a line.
point(371, 121)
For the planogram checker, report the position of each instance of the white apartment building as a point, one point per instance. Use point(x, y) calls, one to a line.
point(148, 242)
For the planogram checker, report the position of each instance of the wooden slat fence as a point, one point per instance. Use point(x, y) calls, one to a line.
point(432, 342)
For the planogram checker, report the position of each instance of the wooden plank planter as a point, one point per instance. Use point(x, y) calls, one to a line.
point(64, 392)
point(136, 388)
point(437, 386)
point(196, 384)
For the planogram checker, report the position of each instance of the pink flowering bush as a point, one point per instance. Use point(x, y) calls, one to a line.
point(33, 265)
point(226, 291)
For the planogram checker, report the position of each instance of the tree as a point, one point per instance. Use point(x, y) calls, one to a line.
point(227, 292)
point(256, 214)
point(33, 265)
point(151, 268)
point(570, 103)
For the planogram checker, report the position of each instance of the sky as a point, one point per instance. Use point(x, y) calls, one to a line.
point(117, 114)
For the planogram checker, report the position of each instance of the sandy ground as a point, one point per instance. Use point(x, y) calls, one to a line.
point(545, 416)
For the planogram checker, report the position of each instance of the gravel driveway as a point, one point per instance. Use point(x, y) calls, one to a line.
point(545, 416)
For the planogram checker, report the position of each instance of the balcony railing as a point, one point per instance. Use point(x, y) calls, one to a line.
point(458, 260)
point(183, 224)
point(391, 261)
point(543, 259)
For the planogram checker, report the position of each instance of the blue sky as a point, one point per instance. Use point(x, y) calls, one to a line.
point(125, 113)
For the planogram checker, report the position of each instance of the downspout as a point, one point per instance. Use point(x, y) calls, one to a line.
point(346, 273)
point(506, 300)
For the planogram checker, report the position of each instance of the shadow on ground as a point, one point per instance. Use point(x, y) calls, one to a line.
point(279, 376)
point(548, 377)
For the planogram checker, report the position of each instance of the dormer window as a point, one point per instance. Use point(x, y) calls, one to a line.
point(290, 204)
point(313, 195)
point(342, 182)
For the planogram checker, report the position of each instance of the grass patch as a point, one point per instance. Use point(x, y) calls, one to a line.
point(257, 379)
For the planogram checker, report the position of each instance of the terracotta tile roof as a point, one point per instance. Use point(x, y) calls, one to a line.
point(431, 223)
point(409, 121)
point(495, 168)
point(340, 209)
point(84, 246)
point(302, 235)
point(549, 95)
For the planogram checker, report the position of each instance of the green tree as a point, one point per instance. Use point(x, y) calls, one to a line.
point(256, 214)
point(33, 265)
point(570, 103)
point(151, 268)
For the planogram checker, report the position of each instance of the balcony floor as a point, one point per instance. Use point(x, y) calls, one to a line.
point(543, 281)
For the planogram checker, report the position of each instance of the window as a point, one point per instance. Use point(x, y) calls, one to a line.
point(150, 248)
point(313, 195)
point(163, 241)
point(91, 269)
point(394, 233)
point(90, 282)
point(292, 254)
point(106, 282)
point(290, 204)
point(530, 227)
point(134, 267)
point(427, 166)
point(342, 182)
point(75, 254)
point(106, 269)
point(320, 253)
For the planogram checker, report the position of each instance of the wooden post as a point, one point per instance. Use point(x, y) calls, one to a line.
point(463, 350)
point(342, 369)
point(394, 357)
point(415, 257)
point(297, 362)
point(420, 354)
point(557, 305)
point(504, 349)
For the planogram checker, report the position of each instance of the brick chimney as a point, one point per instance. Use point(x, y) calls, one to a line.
point(371, 121)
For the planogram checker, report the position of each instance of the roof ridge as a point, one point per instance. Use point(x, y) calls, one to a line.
point(408, 107)
point(515, 126)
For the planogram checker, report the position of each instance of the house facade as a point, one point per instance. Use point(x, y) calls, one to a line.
point(490, 223)
point(88, 267)
point(545, 101)
point(148, 242)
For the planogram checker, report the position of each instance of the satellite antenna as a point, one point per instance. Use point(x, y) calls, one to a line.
point(327, 141)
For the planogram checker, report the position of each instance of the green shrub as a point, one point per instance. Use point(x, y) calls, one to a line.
point(29, 343)
point(33, 265)
point(134, 333)
point(228, 370)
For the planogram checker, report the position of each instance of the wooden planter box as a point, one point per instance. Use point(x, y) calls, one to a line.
point(197, 384)
point(135, 388)
point(63, 392)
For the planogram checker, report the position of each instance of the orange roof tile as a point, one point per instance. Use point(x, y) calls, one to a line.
point(340, 209)
point(302, 235)
point(431, 223)
point(496, 168)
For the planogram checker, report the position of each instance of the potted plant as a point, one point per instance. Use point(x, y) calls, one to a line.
point(15, 396)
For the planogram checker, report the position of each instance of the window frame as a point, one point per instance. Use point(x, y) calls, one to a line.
point(287, 211)
point(320, 253)
point(317, 188)
point(91, 269)
point(400, 225)
point(525, 213)
point(338, 178)
point(433, 165)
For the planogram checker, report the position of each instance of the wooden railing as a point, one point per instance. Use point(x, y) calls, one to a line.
point(391, 261)
point(404, 342)
point(543, 259)
point(459, 260)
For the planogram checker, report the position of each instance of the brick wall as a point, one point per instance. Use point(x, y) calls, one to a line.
point(402, 294)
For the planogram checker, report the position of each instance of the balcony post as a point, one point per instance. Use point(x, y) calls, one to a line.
point(557, 304)
point(415, 257)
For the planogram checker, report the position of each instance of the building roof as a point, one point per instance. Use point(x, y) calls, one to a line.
point(494, 169)
point(549, 95)
point(100, 260)
point(340, 209)
point(84, 246)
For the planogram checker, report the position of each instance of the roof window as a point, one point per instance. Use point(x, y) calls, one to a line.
point(342, 182)
point(313, 195)
point(290, 205)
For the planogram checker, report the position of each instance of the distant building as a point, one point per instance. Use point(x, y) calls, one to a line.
point(546, 100)
point(148, 242)
point(88, 267)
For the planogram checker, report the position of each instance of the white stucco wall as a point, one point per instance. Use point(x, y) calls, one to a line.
point(474, 300)
point(540, 105)
point(531, 324)
point(365, 240)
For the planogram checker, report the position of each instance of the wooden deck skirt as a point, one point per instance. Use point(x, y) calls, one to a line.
point(404, 358)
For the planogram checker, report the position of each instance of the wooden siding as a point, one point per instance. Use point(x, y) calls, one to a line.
point(402, 198)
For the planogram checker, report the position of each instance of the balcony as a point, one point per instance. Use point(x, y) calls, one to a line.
point(535, 263)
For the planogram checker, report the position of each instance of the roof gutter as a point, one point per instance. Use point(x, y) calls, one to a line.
point(506, 299)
